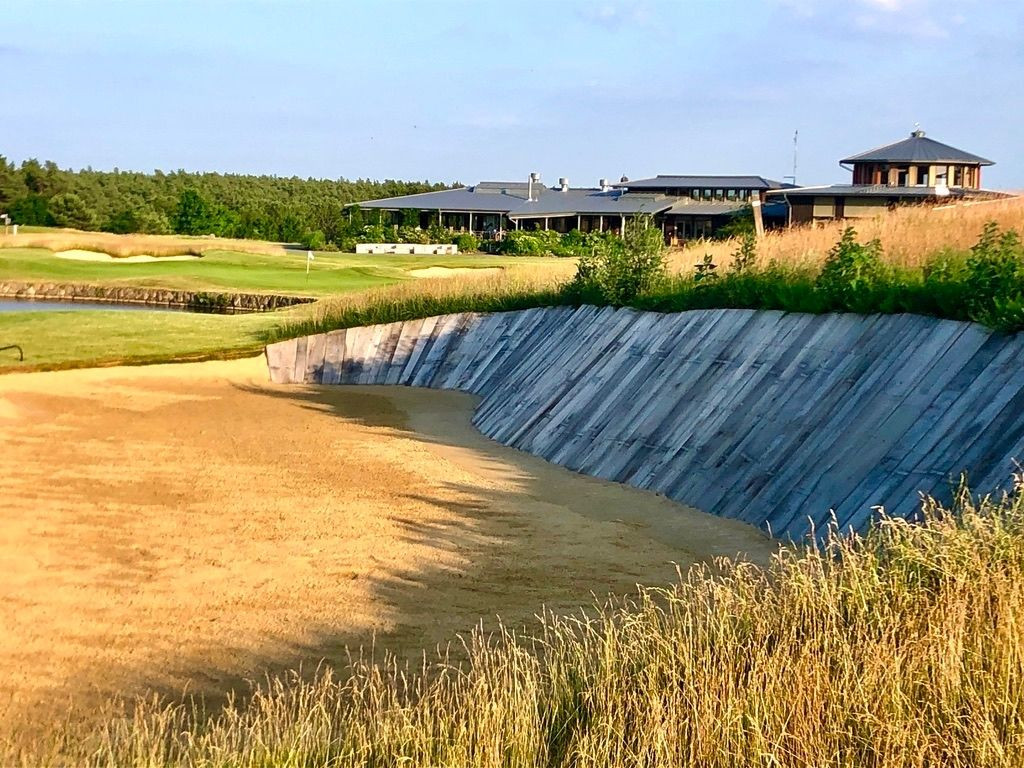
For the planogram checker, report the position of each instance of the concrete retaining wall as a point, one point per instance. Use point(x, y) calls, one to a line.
point(766, 417)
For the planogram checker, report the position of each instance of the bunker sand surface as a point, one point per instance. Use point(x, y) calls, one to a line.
point(195, 526)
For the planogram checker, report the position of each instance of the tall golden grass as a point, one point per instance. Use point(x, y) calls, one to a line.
point(903, 648)
point(514, 287)
point(133, 245)
point(910, 235)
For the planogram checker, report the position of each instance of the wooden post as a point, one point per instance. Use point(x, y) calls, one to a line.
point(755, 205)
point(600, 223)
point(579, 222)
point(439, 217)
point(470, 222)
point(622, 225)
point(545, 223)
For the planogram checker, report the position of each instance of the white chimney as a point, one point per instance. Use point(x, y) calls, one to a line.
point(534, 179)
point(564, 184)
point(605, 186)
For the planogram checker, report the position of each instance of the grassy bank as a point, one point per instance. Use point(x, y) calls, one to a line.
point(523, 288)
point(984, 284)
point(900, 648)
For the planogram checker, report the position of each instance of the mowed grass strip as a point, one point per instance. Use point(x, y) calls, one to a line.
point(76, 339)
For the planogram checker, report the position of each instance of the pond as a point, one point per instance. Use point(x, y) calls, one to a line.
point(50, 305)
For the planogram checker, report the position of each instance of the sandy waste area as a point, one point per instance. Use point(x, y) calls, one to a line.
point(194, 526)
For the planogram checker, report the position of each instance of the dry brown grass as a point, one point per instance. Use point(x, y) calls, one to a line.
point(133, 245)
point(514, 287)
point(902, 649)
point(910, 235)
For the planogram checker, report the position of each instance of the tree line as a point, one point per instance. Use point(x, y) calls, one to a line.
point(227, 205)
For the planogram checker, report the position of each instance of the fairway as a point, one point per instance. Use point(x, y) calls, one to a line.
point(329, 274)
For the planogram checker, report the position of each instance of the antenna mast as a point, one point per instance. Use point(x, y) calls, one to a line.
point(796, 135)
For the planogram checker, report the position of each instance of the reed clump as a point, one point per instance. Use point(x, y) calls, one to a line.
point(901, 647)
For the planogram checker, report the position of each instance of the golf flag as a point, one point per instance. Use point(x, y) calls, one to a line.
point(309, 258)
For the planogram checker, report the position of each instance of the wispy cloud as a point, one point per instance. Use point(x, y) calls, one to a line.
point(615, 14)
point(912, 19)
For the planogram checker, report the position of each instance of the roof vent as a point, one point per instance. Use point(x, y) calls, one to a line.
point(624, 179)
point(605, 186)
point(917, 133)
point(534, 179)
point(564, 184)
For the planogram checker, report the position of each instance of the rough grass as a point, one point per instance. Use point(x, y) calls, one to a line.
point(133, 245)
point(902, 648)
point(910, 236)
point(520, 288)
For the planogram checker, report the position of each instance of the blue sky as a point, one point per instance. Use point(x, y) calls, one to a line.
point(474, 89)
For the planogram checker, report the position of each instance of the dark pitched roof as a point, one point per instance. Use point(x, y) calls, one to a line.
point(489, 200)
point(555, 202)
point(671, 181)
point(918, 148)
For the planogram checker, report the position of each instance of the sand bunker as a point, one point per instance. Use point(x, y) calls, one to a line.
point(453, 271)
point(80, 255)
point(193, 524)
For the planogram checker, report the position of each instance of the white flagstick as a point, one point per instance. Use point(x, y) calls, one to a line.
point(309, 259)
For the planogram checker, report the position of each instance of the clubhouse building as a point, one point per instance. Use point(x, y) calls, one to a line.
point(912, 171)
point(688, 207)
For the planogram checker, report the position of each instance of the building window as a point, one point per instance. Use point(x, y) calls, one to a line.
point(958, 176)
point(719, 194)
point(730, 194)
point(695, 194)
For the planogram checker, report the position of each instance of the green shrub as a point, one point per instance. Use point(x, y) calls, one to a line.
point(740, 224)
point(619, 271)
point(314, 241)
point(852, 274)
point(522, 243)
point(438, 234)
point(745, 256)
point(412, 234)
point(994, 276)
point(376, 233)
point(466, 242)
